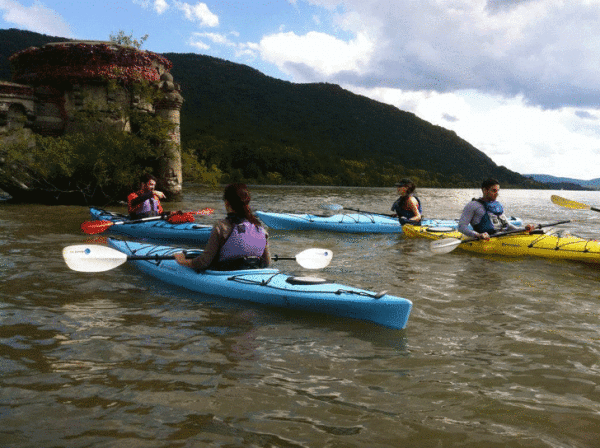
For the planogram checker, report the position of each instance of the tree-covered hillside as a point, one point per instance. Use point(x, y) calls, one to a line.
point(245, 110)
point(260, 129)
point(13, 40)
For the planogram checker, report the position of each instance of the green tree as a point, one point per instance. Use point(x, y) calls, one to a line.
point(197, 171)
point(128, 40)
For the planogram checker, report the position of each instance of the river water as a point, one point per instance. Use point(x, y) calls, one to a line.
point(498, 352)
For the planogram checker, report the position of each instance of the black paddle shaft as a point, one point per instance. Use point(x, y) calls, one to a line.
point(160, 257)
point(370, 213)
point(510, 232)
point(187, 255)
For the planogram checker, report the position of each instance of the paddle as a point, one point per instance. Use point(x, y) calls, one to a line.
point(446, 245)
point(94, 227)
point(338, 207)
point(95, 258)
point(572, 204)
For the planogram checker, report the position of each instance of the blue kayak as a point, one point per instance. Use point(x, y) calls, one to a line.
point(348, 222)
point(158, 230)
point(273, 288)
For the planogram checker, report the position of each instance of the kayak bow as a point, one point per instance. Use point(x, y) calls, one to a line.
point(153, 229)
point(561, 246)
point(346, 222)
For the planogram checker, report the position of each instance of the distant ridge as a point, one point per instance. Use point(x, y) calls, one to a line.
point(566, 183)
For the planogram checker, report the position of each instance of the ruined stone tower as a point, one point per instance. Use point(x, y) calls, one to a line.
point(55, 82)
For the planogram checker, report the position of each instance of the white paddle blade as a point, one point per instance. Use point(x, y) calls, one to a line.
point(444, 245)
point(314, 258)
point(92, 258)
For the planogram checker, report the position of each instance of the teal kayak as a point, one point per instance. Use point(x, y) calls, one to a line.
point(273, 288)
point(348, 222)
point(158, 230)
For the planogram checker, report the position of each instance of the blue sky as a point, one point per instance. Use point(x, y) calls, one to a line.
point(518, 79)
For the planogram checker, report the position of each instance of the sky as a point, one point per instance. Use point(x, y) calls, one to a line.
point(518, 79)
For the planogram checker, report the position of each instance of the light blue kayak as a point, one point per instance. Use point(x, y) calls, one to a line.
point(158, 230)
point(349, 222)
point(273, 288)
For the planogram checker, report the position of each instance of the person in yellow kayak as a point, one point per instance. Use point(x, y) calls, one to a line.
point(146, 201)
point(236, 242)
point(485, 216)
point(407, 207)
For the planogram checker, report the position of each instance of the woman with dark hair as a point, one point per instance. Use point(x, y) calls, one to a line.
point(407, 207)
point(236, 242)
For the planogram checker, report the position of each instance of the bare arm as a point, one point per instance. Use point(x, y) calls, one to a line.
point(265, 259)
point(413, 204)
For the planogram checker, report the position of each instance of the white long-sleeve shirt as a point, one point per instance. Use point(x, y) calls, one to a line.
point(472, 214)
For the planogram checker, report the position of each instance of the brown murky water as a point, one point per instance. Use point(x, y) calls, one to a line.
point(497, 353)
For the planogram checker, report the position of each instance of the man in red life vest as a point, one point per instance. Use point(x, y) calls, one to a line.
point(146, 201)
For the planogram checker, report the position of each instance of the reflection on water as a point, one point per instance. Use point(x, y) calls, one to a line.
point(497, 352)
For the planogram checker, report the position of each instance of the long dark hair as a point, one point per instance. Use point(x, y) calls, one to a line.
point(410, 189)
point(238, 197)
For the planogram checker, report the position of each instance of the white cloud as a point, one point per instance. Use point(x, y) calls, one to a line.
point(159, 6)
point(517, 79)
point(198, 13)
point(586, 115)
point(546, 50)
point(36, 17)
point(322, 54)
point(198, 40)
point(217, 38)
point(522, 137)
point(246, 50)
point(194, 13)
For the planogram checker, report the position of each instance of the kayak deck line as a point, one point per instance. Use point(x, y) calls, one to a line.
point(559, 245)
point(309, 217)
point(562, 246)
point(340, 222)
point(535, 244)
point(240, 278)
point(157, 223)
point(159, 230)
point(356, 221)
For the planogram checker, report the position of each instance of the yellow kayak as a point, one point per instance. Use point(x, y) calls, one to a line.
point(548, 245)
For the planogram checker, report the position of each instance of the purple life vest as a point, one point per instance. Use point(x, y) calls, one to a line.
point(246, 240)
point(149, 208)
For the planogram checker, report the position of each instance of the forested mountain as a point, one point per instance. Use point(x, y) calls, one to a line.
point(13, 40)
point(261, 129)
